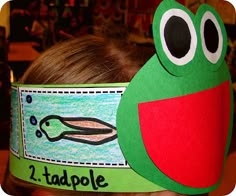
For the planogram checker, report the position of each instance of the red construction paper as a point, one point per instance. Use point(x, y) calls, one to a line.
point(186, 136)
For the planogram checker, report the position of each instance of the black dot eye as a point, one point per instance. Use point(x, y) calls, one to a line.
point(47, 124)
point(212, 42)
point(178, 36)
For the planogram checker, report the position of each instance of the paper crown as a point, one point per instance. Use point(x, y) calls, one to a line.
point(173, 120)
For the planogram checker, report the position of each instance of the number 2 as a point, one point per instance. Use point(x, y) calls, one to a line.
point(32, 173)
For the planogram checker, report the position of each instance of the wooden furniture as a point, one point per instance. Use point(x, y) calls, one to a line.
point(20, 55)
point(132, 37)
point(22, 51)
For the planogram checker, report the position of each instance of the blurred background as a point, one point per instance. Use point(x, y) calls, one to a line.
point(28, 27)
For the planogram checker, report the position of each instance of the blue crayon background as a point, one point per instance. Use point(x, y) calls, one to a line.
point(96, 105)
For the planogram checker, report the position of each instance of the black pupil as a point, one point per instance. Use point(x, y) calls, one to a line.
point(211, 36)
point(177, 36)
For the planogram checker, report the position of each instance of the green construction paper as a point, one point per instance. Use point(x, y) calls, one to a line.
point(160, 79)
point(186, 66)
point(16, 84)
point(55, 164)
point(92, 179)
point(220, 58)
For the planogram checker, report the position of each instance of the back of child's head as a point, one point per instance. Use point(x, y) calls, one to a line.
point(88, 59)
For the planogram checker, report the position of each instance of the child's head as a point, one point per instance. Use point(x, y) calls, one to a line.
point(149, 115)
point(88, 59)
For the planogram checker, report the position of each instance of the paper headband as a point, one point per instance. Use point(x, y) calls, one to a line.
point(65, 137)
point(173, 123)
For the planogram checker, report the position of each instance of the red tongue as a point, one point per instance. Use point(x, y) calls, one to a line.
point(186, 136)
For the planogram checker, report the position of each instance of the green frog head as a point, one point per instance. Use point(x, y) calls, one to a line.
point(174, 120)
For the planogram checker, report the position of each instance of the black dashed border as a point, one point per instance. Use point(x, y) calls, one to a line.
point(93, 91)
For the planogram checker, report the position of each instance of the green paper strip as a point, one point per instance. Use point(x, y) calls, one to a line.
point(46, 163)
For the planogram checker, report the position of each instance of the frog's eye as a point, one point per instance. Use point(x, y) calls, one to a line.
point(178, 36)
point(174, 31)
point(211, 35)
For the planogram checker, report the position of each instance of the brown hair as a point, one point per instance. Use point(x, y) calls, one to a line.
point(88, 59)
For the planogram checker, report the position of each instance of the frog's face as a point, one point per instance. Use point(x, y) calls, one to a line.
point(174, 120)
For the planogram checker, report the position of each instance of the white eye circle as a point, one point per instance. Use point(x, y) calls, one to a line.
point(178, 36)
point(212, 40)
